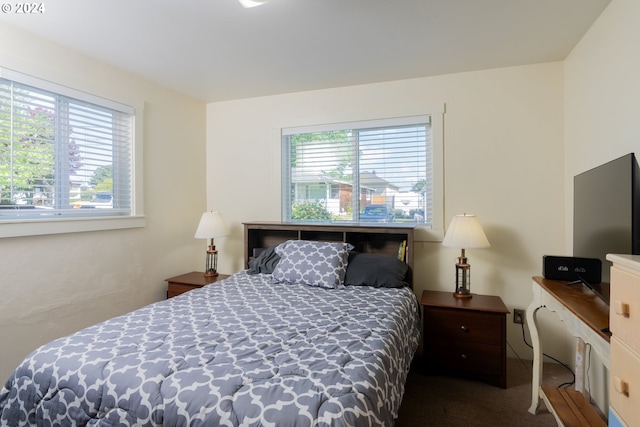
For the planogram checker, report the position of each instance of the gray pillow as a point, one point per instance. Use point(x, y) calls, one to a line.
point(376, 270)
point(265, 262)
point(321, 264)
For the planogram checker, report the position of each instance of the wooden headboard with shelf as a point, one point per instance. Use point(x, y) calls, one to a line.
point(384, 239)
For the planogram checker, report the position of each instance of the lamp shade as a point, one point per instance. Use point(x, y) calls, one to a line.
point(211, 225)
point(465, 232)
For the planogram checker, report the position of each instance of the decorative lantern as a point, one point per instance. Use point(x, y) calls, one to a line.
point(464, 232)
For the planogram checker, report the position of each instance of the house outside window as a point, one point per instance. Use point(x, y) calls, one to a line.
point(64, 154)
point(384, 164)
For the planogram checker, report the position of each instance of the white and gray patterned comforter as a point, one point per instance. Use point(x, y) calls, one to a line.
point(238, 352)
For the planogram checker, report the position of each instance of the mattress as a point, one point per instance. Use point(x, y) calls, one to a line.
point(240, 352)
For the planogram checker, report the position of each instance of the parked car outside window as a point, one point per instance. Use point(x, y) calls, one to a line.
point(377, 213)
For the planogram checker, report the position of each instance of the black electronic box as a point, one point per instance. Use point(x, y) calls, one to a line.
point(572, 268)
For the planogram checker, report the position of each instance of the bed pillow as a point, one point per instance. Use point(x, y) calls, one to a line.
point(265, 262)
point(375, 270)
point(321, 264)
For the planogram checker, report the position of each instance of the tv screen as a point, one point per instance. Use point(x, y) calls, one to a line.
point(605, 211)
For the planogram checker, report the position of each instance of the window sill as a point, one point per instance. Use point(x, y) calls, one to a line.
point(39, 227)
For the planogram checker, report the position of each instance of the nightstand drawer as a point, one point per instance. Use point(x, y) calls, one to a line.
point(187, 282)
point(465, 336)
point(464, 326)
point(176, 289)
point(470, 358)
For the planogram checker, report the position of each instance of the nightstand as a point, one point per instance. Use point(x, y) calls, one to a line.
point(189, 281)
point(465, 337)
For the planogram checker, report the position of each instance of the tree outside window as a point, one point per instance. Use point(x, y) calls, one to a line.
point(58, 153)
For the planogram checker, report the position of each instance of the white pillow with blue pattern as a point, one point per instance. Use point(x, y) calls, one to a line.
point(321, 264)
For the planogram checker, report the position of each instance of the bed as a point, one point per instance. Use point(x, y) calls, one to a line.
point(311, 334)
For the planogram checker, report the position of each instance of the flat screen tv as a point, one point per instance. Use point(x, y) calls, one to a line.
point(606, 211)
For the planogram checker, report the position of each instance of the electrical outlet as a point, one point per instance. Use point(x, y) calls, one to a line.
point(518, 316)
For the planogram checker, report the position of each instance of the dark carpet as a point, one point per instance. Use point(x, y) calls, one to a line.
point(443, 401)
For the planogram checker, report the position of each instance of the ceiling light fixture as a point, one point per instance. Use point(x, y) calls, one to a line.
point(252, 3)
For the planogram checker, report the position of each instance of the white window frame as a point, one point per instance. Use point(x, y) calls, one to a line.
point(436, 112)
point(35, 226)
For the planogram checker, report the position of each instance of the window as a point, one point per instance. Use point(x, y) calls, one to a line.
point(374, 171)
point(64, 154)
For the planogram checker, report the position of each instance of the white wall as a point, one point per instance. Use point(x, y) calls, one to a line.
point(504, 162)
point(602, 92)
point(54, 285)
point(602, 108)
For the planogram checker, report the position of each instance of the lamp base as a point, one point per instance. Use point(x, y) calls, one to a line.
point(210, 274)
point(462, 295)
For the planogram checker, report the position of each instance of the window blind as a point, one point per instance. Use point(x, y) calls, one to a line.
point(62, 156)
point(332, 173)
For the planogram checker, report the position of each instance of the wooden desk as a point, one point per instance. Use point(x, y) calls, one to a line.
point(585, 316)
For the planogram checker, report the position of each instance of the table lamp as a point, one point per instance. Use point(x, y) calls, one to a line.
point(464, 232)
point(211, 225)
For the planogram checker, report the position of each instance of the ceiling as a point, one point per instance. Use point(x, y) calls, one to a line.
point(215, 50)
